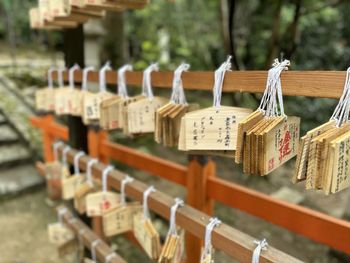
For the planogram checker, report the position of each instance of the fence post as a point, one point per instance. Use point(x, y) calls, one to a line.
point(95, 138)
point(48, 140)
point(200, 168)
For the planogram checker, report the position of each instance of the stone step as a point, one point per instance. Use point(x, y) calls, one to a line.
point(7, 135)
point(2, 119)
point(19, 178)
point(14, 154)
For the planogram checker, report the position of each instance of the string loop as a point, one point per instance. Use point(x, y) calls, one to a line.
point(102, 76)
point(122, 88)
point(261, 245)
point(55, 149)
point(110, 256)
point(76, 162)
point(105, 174)
point(71, 75)
point(65, 151)
point(178, 94)
point(94, 244)
point(60, 71)
point(213, 222)
point(60, 214)
point(123, 183)
point(89, 172)
point(146, 81)
point(146, 193)
point(84, 83)
point(219, 80)
point(49, 76)
point(173, 209)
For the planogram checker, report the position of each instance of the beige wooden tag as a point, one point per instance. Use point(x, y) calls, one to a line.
point(100, 202)
point(92, 103)
point(146, 236)
point(120, 219)
point(80, 197)
point(55, 172)
point(70, 185)
point(63, 100)
point(76, 102)
point(59, 8)
point(141, 114)
point(281, 143)
point(59, 234)
point(213, 128)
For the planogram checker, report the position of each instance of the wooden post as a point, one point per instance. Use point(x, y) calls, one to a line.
point(95, 138)
point(200, 168)
point(48, 140)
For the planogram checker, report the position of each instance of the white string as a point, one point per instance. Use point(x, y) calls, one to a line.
point(105, 174)
point(219, 80)
point(60, 214)
point(341, 112)
point(213, 222)
point(110, 256)
point(93, 249)
point(76, 162)
point(261, 245)
point(49, 76)
point(125, 181)
point(146, 81)
point(172, 223)
point(122, 89)
point(60, 71)
point(55, 149)
point(88, 171)
point(272, 101)
point(71, 75)
point(178, 94)
point(72, 220)
point(146, 193)
point(102, 76)
point(84, 84)
point(65, 151)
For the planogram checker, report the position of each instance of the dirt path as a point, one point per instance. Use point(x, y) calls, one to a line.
point(23, 235)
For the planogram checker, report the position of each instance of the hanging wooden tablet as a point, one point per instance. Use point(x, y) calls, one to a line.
point(146, 235)
point(45, 98)
point(141, 113)
point(215, 128)
point(55, 172)
point(120, 219)
point(92, 101)
point(99, 203)
point(63, 238)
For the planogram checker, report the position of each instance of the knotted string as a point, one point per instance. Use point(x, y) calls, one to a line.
point(178, 94)
point(261, 245)
point(122, 89)
point(61, 213)
point(60, 76)
point(146, 81)
point(219, 80)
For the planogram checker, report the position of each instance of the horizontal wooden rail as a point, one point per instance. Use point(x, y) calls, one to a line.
point(88, 237)
point(301, 220)
point(320, 84)
point(231, 241)
point(157, 166)
point(55, 129)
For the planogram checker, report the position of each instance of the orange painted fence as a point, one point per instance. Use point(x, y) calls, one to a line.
point(203, 188)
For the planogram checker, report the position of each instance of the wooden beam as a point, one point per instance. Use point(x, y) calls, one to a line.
point(231, 241)
point(317, 226)
point(319, 84)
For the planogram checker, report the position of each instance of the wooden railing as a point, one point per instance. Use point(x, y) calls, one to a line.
point(199, 177)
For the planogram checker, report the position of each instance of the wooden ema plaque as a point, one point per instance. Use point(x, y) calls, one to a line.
point(45, 99)
point(120, 219)
point(63, 238)
point(173, 249)
point(55, 172)
point(147, 236)
point(100, 202)
point(71, 184)
point(211, 128)
point(141, 114)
